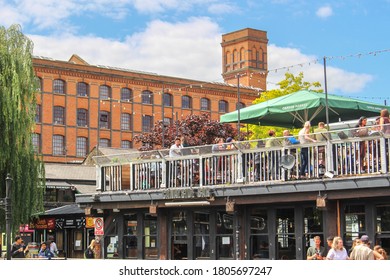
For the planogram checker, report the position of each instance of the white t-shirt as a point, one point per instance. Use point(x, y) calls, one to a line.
point(337, 254)
point(175, 151)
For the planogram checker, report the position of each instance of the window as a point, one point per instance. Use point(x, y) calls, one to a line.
point(259, 243)
point(36, 142)
point(130, 237)
point(224, 236)
point(104, 92)
point(383, 219)
point(59, 115)
point(186, 102)
point(240, 105)
point(150, 237)
point(147, 97)
point(59, 86)
point(58, 145)
point(201, 235)
point(82, 89)
point(168, 99)
point(285, 234)
point(147, 123)
point(104, 120)
point(82, 117)
point(126, 94)
point(125, 144)
point(125, 121)
point(167, 121)
point(205, 104)
point(81, 147)
point(38, 113)
point(104, 143)
point(179, 235)
point(38, 84)
point(223, 106)
point(355, 222)
point(312, 226)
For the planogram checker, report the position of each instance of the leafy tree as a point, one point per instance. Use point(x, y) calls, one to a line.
point(289, 85)
point(17, 112)
point(197, 129)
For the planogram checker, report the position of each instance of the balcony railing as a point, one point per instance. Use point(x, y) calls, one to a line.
point(247, 162)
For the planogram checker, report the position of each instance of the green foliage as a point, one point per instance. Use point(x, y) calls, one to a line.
point(289, 85)
point(196, 129)
point(17, 111)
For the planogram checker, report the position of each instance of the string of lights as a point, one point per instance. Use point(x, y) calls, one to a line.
point(315, 61)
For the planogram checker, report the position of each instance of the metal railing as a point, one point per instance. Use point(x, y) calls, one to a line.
point(247, 162)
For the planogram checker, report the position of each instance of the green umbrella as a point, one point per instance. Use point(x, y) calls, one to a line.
point(304, 105)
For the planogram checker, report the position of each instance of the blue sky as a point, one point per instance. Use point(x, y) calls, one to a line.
point(182, 38)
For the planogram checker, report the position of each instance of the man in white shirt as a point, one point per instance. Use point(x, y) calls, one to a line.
point(175, 149)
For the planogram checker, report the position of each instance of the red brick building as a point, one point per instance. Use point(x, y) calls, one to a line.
point(82, 105)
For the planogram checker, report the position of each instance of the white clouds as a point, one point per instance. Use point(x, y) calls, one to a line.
point(222, 8)
point(158, 6)
point(9, 14)
point(55, 15)
point(338, 80)
point(192, 50)
point(324, 12)
point(188, 49)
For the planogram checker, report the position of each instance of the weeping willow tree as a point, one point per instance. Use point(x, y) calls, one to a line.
point(18, 87)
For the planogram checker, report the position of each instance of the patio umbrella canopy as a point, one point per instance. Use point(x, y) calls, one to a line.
point(304, 105)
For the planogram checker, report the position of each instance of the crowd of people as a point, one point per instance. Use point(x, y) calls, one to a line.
point(305, 135)
point(360, 250)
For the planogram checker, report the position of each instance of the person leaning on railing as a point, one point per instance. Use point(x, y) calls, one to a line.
point(384, 121)
point(362, 131)
point(304, 137)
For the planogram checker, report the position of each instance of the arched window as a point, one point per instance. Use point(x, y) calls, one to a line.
point(168, 121)
point(81, 147)
point(223, 106)
point(104, 92)
point(104, 143)
point(58, 145)
point(147, 123)
point(168, 100)
point(82, 117)
point(205, 104)
point(59, 115)
point(126, 94)
point(147, 97)
point(104, 120)
point(186, 102)
point(38, 113)
point(39, 84)
point(125, 121)
point(125, 144)
point(59, 86)
point(36, 142)
point(82, 89)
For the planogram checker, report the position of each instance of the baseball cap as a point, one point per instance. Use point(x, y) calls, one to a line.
point(365, 238)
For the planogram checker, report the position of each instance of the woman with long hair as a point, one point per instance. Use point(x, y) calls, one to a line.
point(338, 252)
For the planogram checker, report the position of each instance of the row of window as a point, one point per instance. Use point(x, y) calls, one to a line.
point(59, 87)
point(104, 119)
point(82, 147)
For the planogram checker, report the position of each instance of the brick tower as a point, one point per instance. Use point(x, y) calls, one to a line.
point(244, 53)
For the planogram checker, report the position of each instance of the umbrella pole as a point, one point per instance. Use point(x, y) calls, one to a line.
point(329, 161)
point(326, 95)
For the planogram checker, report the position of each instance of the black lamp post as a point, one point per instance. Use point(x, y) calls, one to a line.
point(8, 214)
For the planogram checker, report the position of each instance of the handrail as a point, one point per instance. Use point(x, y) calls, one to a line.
point(247, 163)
